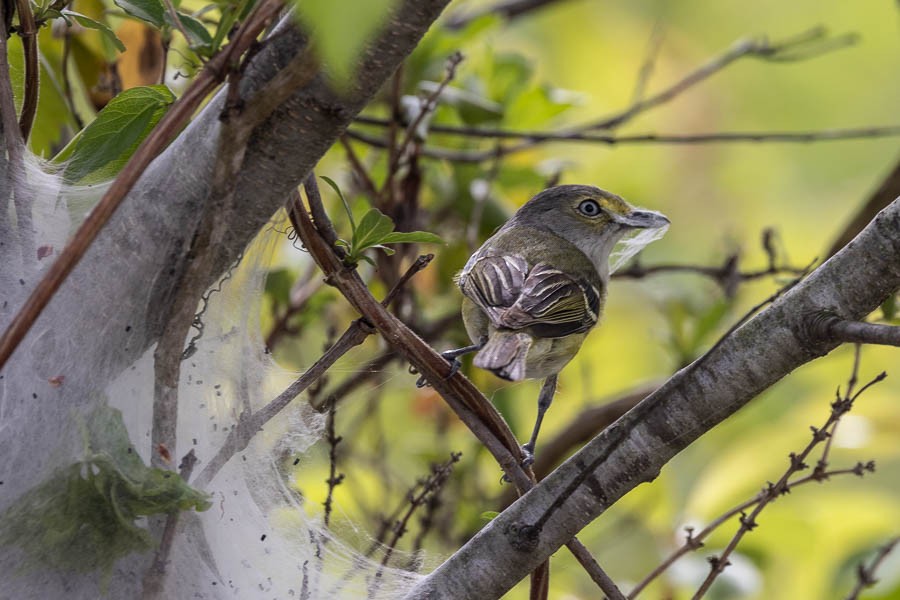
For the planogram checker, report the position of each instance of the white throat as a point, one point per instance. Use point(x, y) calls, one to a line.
point(598, 249)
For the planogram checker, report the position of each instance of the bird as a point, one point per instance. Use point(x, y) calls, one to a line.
point(535, 289)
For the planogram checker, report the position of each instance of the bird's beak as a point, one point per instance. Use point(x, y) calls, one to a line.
point(643, 219)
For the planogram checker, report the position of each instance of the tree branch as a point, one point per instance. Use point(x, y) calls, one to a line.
point(826, 325)
point(635, 448)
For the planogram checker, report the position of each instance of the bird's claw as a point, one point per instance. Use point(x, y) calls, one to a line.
point(451, 357)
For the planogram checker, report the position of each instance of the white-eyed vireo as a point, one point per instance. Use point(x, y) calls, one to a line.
point(536, 288)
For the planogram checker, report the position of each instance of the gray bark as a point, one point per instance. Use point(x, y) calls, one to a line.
point(634, 449)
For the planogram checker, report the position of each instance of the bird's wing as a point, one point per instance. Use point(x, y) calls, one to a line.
point(543, 298)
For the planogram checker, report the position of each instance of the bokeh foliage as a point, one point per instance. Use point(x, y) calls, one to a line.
point(570, 63)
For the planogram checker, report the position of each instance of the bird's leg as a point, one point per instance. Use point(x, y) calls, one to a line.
point(452, 356)
point(545, 398)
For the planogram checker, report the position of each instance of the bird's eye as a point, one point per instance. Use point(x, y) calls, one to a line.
point(589, 208)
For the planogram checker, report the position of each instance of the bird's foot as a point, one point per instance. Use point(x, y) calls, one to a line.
point(452, 357)
point(528, 451)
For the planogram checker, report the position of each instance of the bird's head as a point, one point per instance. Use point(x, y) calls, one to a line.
point(593, 220)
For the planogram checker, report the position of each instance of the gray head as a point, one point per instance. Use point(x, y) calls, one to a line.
point(590, 218)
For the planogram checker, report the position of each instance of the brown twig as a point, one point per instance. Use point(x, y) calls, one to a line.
point(646, 71)
point(803, 46)
point(598, 575)
point(726, 275)
point(536, 137)
point(428, 105)
point(28, 32)
point(301, 291)
point(171, 124)
point(359, 171)
point(865, 574)
point(250, 423)
point(66, 82)
point(773, 491)
point(334, 478)
point(176, 22)
point(427, 488)
point(464, 399)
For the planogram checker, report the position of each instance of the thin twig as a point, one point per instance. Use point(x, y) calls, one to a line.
point(176, 22)
point(428, 105)
point(358, 169)
point(249, 424)
point(865, 574)
point(694, 541)
point(650, 58)
point(533, 138)
point(759, 48)
point(771, 492)
point(66, 82)
point(429, 487)
point(28, 32)
point(334, 478)
point(598, 575)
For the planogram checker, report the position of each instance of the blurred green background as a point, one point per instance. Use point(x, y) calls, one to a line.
point(570, 63)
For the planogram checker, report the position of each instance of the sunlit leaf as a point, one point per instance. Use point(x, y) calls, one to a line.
point(371, 229)
point(411, 237)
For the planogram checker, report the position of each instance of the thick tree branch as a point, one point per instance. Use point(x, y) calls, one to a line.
point(634, 449)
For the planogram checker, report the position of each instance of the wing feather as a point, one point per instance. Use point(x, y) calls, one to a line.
point(543, 298)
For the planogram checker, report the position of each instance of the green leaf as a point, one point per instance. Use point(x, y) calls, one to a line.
point(411, 237)
point(340, 29)
point(340, 194)
point(151, 11)
point(89, 23)
point(372, 229)
point(198, 37)
point(534, 107)
point(102, 148)
point(489, 515)
point(84, 517)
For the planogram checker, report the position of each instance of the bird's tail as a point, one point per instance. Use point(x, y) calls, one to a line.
point(504, 354)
